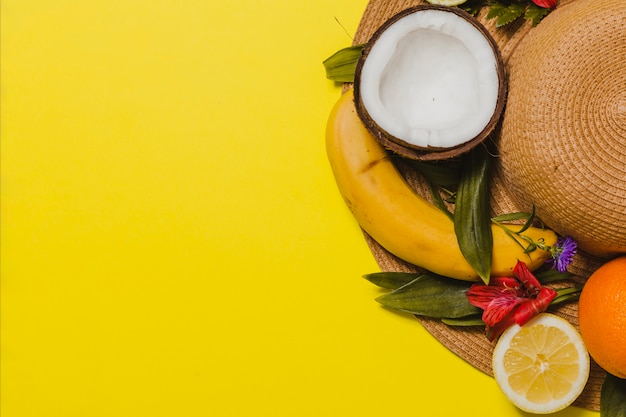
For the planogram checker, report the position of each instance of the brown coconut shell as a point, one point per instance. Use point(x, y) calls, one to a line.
point(563, 141)
point(402, 147)
point(470, 343)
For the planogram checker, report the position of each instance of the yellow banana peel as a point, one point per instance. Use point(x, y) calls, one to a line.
point(401, 221)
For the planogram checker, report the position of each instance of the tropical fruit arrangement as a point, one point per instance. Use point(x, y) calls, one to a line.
point(481, 147)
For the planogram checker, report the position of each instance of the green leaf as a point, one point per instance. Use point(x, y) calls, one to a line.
point(438, 175)
point(341, 65)
point(431, 296)
point(535, 13)
point(505, 13)
point(513, 12)
point(551, 275)
point(438, 172)
point(520, 215)
point(613, 397)
point(472, 224)
point(472, 6)
point(391, 280)
point(438, 201)
point(529, 222)
point(496, 10)
point(565, 298)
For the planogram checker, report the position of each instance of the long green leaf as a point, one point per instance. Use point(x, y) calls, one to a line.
point(520, 215)
point(431, 296)
point(472, 223)
point(613, 397)
point(438, 201)
point(391, 280)
point(439, 173)
point(551, 275)
point(341, 65)
point(529, 221)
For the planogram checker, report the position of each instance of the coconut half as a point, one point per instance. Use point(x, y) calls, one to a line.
point(430, 83)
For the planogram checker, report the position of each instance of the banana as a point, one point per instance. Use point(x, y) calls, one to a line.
point(401, 221)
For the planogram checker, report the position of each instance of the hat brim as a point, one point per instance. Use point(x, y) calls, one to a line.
point(470, 343)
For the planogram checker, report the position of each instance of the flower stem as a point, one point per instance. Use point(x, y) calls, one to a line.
point(566, 294)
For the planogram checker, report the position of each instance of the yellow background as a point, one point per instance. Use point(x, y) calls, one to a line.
point(173, 243)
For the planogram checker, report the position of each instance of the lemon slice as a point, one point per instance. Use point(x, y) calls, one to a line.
point(542, 366)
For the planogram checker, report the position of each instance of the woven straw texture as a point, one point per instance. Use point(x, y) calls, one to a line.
point(470, 343)
point(568, 88)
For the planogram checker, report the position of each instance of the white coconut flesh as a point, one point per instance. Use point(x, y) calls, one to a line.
point(431, 80)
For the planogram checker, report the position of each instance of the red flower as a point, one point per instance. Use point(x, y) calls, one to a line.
point(510, 300)
point(546, 4)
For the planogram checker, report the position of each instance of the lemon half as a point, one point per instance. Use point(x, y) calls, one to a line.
point(542, 366)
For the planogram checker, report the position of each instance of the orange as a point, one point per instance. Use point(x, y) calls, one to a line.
point(602, 316)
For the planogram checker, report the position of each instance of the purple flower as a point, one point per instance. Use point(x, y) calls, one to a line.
point(563, 253)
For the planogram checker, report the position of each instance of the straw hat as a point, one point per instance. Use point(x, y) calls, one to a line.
point(588, 118)
point(563, 139)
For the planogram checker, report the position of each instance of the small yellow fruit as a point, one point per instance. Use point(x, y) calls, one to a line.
point(542, 366)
